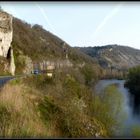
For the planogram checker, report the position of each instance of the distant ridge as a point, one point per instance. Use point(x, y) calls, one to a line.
point(115, 56)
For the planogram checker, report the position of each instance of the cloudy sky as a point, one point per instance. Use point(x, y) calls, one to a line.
point(83, 23)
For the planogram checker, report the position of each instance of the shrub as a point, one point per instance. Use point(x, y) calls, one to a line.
point(133, 84)
point(107, 107)
point(136, 131)
point(133, 80)
point(48, 108)
point(89, 74)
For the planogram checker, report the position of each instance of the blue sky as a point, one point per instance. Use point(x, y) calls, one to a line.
point(83, 23)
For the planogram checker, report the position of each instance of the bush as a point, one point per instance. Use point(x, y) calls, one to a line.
point(136, 131)
point(133, 80)
point(133, 84)
point(15, 81)
point(89, 74)
point(48, 108)
point(39, 82)
point(107, 107)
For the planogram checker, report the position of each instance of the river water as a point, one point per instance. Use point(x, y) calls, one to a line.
point(131, 119)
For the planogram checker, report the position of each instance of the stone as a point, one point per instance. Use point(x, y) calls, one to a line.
point(6, 36)
point(12, 63)
point(6, 33)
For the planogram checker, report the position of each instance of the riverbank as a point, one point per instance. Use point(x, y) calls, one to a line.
point(131, 120)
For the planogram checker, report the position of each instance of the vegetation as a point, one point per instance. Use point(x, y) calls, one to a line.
point(133, 84)
point(32, 44)
point(107, 107)
point(4, 64)
point(34, 40)
point(62, 106)
point(113, 58)
point(136, 131)
point(110, 73)
point(133, 81)
point(89, 74)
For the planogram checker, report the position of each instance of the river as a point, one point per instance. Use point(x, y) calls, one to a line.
point(131, 119)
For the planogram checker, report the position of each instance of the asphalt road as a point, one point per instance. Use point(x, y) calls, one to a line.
point(4, 79)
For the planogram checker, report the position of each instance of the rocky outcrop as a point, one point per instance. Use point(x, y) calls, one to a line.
point(6, 36)
point(55, 63)
point(12, 63)
point(6, 33)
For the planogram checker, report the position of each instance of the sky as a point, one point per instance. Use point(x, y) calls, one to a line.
point(83, 23)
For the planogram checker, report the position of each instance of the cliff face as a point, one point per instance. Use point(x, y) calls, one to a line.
point(6, 36)
point(12, 63)
point(6, 33)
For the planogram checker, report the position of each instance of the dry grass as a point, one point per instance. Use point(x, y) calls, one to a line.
point(23, 119)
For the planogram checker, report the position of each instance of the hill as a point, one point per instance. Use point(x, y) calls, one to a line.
point(31, 46)
point(39, 45)
point(114, 56)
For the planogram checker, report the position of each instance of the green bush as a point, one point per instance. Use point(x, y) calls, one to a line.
point(107, 107)
point(136, 131)
point(133, 80)
point(40, 81)
point(48, 108)
point(89, 74)
point(15, 81)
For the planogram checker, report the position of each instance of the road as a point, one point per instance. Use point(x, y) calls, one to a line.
point(4, 79)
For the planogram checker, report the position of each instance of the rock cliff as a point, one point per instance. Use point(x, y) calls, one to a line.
point(6, 36)
point(6, 33)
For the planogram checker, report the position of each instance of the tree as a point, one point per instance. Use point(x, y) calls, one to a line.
point(133, 80)
point(133, 84)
